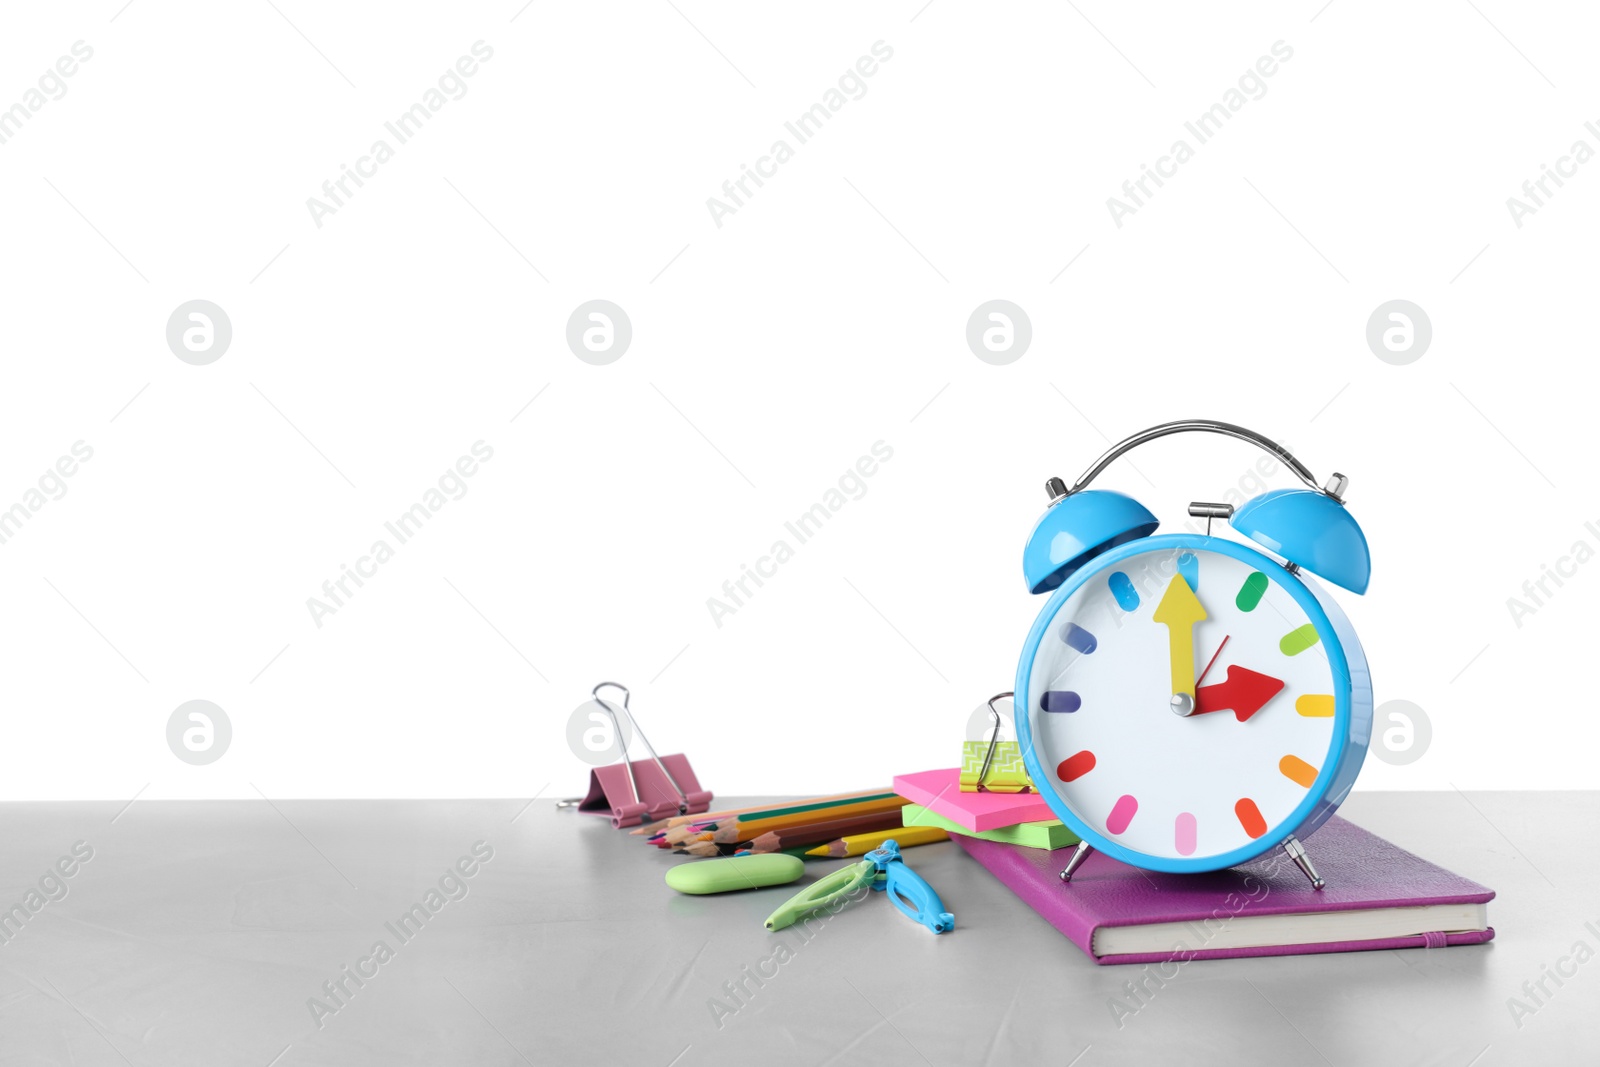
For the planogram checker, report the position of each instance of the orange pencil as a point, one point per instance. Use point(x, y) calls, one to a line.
point(820, 833)
point(742, 830)
point(810, 811)
point(713, 816)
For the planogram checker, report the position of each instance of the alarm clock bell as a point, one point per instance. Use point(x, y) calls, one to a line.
point(1310, 529)
point(1078, 528)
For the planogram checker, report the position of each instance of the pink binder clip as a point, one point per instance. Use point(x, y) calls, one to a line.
point(634, 791)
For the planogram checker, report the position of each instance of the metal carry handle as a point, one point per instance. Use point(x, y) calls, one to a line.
point(1334, 488)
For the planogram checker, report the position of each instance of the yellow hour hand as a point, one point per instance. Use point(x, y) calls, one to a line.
point(1179, 610)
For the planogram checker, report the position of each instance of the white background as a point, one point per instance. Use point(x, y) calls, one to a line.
point(768, 354)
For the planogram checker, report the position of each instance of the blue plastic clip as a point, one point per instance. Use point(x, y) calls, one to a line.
point(910, 893)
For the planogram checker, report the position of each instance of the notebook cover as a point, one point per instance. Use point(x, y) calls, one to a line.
point(1049, 834)
point(940, 792)
point(1362, 871)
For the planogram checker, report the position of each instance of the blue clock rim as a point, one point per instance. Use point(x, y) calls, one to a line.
point(1327, 633)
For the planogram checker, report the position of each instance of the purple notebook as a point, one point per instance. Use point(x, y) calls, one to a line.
point(1378, 896)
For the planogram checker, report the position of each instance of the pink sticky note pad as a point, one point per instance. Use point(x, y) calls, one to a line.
point(940, 792)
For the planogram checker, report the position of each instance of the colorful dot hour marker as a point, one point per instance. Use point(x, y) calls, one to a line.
point(1251, 592)
point(1122, 588)
point(1076, 766)
point(1059, 700)
point(1298, 640)
point(1315, 705)
point(1189, 567)
point(1250, 817)
point(1183, 834)
point(1121, 814)
point(1297, 771)
point(1078, 638)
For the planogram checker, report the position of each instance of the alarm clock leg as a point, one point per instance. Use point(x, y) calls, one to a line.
point(1297, 852)
point(1084, 848)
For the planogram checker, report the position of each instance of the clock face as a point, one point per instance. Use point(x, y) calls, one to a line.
point(1182, 704)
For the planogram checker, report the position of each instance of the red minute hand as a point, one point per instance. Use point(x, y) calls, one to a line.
point(1244, 691)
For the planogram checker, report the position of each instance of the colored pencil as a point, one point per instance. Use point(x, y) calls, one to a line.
point(743, 829)
point(809, 810)
point(769, 808)
point(820, 833)
point(860, 844)
point(679, 834)
point(805, 812)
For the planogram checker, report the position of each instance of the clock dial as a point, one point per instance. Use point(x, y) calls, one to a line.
point(1156, 757)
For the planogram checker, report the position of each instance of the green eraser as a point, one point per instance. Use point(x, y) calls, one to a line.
point(735, 872)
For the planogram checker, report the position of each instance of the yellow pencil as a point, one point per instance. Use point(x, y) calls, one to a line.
point(861, 844)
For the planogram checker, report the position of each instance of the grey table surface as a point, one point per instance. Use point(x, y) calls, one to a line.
point(210, 932)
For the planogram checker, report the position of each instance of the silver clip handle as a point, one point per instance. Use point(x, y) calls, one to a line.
point(994, 738)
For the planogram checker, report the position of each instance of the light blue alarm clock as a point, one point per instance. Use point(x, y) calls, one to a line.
point(1188, 702)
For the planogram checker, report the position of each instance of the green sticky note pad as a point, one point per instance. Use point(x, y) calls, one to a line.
point(735, 872)
point(1050, 833)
